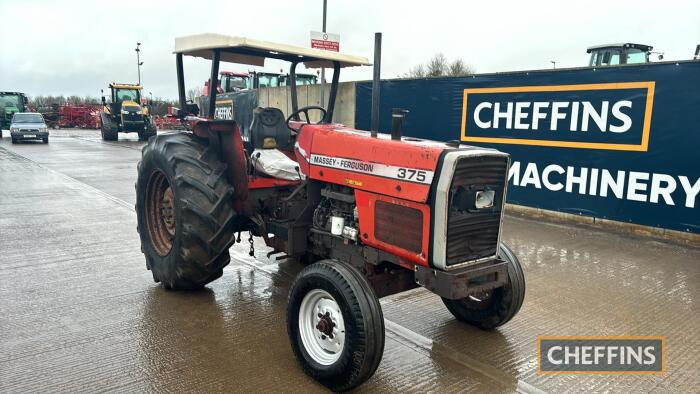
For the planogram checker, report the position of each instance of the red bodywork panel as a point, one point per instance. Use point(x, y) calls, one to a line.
point(379, 169)
point(261, 183)
point(365, 209)
point(337, 154)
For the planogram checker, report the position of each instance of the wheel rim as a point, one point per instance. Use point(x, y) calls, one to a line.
point(321, 327)
point(160, 213)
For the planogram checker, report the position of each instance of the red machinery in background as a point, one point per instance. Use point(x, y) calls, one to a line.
point(170, 122)
point(79, 116)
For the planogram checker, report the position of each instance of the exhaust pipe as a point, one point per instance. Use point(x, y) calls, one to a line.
point(374, 124)
point(397, 115)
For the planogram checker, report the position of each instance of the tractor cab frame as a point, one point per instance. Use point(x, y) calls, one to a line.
point(218, 48)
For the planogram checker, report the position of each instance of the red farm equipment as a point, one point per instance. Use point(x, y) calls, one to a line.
point(369, 214)
point(170, 122)
point(79, 116)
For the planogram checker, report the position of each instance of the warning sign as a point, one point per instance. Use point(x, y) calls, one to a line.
point(325, 41)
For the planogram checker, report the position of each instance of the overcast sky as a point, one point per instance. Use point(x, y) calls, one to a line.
point(78, 47)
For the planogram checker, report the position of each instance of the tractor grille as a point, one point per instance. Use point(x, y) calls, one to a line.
point(473, 233)
point(132, 117)
point(399, 225)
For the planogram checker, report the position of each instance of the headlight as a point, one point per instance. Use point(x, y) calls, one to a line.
point(484, 199)
point(125, 112)
point(13, 129)
point(138, 112)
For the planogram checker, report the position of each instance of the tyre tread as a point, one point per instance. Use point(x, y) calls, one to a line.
point(206, 213)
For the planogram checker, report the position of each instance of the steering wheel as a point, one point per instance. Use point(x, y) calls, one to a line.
point(305, 111)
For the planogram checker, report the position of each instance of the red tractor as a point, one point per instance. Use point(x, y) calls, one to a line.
point(370, 215)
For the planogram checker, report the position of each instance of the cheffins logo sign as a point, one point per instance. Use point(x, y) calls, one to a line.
point(223, 110)
point(610, 116)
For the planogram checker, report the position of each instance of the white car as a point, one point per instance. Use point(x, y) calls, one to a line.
point(28, 126)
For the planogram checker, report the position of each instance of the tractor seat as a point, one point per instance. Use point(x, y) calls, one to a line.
point(269, 130)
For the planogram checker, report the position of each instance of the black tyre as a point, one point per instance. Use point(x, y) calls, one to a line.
point(109, 130)
point(14, 141)
point(150, 131)
point(495, 307)
point(46, 140)
point(335, 325)
point(185, 211)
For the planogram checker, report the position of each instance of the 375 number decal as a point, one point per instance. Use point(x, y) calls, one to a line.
point(410, 174)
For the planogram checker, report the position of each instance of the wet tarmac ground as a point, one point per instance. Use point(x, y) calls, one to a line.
point(79, 312)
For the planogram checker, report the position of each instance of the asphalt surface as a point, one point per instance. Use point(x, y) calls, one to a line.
point(79, 312)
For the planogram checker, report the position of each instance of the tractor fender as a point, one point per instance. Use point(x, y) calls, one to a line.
point(225, 137)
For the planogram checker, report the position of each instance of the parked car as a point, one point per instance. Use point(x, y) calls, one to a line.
point(28, 126)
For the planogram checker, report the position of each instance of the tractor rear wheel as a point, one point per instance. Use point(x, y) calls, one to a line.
point(109, 130)
point(335, 324)
point(496, 307)
point(184, 206)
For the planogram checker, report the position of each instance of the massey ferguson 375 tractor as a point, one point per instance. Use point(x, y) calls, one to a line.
point(370, 215)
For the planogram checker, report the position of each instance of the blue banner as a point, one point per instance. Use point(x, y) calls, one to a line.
point(618, 143)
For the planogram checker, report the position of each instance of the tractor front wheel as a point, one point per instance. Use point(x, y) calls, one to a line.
point(496, 307)
point(149, 132)
point(185, 211)
point(335, 324)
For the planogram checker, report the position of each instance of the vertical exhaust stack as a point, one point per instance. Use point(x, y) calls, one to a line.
point(374, 124)
point(397, 115)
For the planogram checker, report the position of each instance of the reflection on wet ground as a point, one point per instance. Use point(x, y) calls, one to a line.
point(79, 312)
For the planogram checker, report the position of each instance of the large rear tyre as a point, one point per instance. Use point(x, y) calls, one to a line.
point(335, 325)
point(109, 131)
point(185, 211)
point(496, 307)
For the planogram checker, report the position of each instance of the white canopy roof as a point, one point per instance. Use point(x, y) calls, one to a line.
point(253, 52)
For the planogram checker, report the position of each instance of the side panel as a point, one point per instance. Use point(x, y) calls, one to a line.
point(366, 206)
point(347, 157)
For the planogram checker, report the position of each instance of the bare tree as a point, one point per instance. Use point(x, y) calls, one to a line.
point(159, 106)
point(439, 66)
point(459, 68)
point(436, 66)
point(416, 72)
point(50, 101)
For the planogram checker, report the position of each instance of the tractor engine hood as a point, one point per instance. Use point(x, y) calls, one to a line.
point(128, 105)
point(403, 169)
